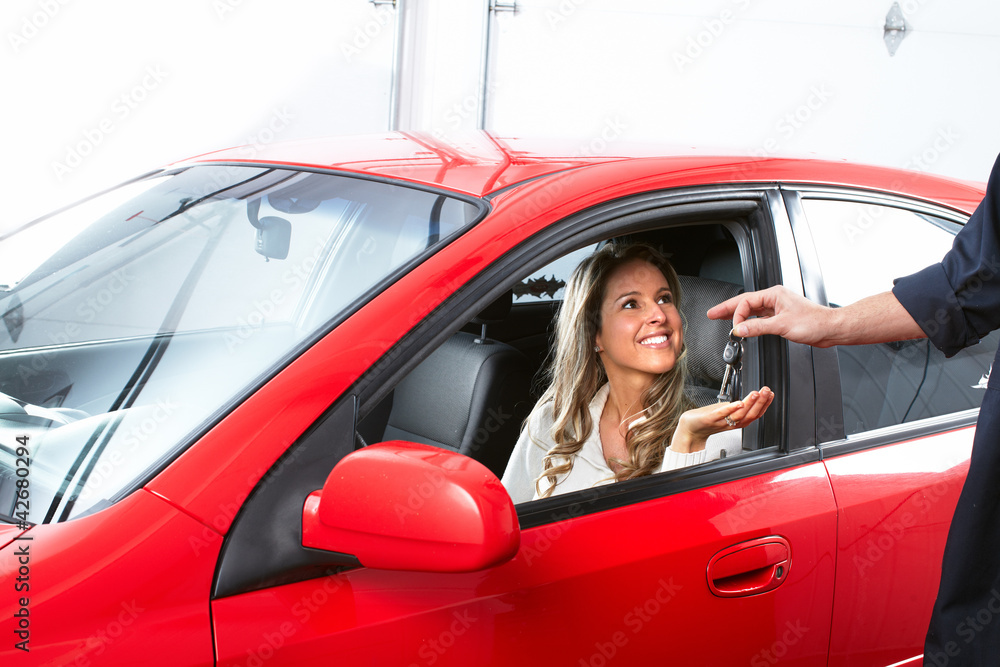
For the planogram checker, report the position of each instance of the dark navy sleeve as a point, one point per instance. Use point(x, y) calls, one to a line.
point(957, 302)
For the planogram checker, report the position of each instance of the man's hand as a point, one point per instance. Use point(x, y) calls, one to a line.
point(779, 311)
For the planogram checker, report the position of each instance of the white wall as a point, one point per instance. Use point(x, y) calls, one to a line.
point(765, 76)
point(98, 91)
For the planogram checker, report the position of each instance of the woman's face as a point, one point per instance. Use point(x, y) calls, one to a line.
point(641, 332)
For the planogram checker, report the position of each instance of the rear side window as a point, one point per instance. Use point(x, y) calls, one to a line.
point(862, 247)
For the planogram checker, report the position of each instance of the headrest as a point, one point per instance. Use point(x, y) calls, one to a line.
point(496, 311)
point(705, 338)
point(722, 262)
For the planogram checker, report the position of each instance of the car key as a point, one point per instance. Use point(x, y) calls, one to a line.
point(732, 356)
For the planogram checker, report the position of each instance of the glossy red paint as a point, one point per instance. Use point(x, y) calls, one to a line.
point(127, 585)
point(614, 585)
point(475, 163)
point(405, 506)
point(896, 504)
point(481, 164)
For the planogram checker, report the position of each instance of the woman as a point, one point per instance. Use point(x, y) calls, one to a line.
point(616, 397)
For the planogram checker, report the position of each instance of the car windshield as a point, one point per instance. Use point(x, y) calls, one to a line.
point(134, 320)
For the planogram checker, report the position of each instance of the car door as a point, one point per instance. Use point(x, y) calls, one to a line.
point(899, 422)
point(727, 563)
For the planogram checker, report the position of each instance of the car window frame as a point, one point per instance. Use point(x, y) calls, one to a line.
point(762, 267)
point(831, 436)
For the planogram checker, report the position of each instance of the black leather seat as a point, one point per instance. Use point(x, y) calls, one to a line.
point(705, 338)
point(470, 395)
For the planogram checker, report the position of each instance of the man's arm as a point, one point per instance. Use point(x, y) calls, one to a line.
point(875, 319)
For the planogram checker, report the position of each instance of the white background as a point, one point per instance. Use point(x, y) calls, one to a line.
point(96, 92)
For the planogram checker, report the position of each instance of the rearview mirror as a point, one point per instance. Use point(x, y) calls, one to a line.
point(274, 236)
point(405, 506)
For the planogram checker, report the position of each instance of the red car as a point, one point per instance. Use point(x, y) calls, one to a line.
point(254, 411)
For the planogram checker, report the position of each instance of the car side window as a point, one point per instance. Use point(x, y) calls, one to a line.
point(699, 253)
point(861, 248)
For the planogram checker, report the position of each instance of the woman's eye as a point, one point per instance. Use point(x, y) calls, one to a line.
point(666, 298)
point(630, 304)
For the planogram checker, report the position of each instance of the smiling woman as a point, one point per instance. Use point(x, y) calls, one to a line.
point(616, 399)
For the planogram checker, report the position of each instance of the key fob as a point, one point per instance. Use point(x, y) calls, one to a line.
point(732, 356)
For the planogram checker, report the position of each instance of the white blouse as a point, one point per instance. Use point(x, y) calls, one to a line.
point(589, 466)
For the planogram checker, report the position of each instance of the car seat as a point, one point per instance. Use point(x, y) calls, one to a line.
point(704, 338)
point(470, 395)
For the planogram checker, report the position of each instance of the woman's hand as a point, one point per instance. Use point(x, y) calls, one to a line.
point(696, 425)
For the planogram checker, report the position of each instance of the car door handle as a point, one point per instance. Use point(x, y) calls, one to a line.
point(750, 568)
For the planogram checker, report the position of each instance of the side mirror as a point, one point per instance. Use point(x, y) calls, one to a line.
point(404, 506)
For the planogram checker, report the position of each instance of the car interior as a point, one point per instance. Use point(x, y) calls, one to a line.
point(905, 381)
point(473, 393)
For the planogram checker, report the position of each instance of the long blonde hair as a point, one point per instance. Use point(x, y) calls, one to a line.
point(576, 373)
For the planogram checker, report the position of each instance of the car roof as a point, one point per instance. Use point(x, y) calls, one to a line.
point(481, 163)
